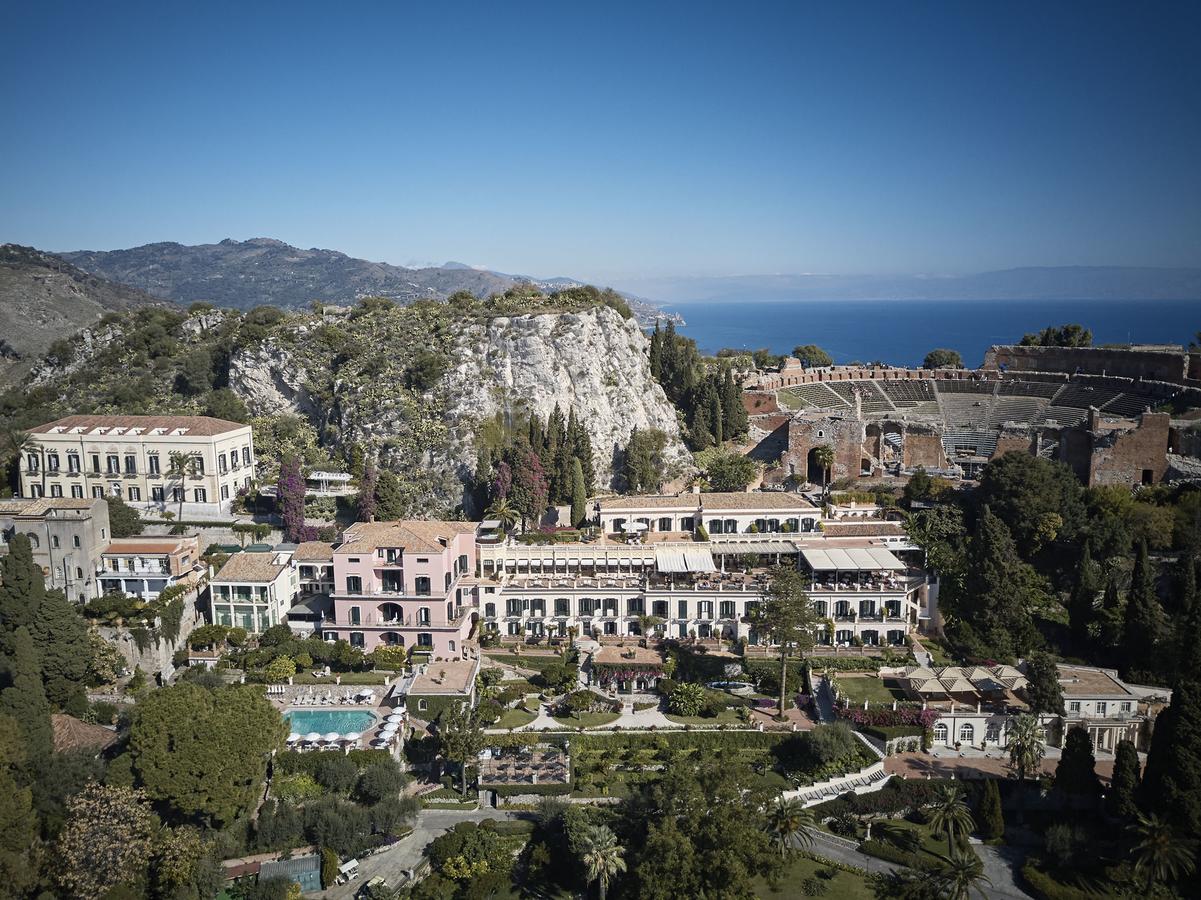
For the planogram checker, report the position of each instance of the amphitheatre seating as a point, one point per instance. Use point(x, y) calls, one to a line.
point(970, 411)
point(1063, 415)
point(1129, 404)
point(962, 442)
point(965, 386)
point(873, 400)
point(902, 393)
point(1029, 389)
point(1083, 396)
point(1021, 410)
point(819, 395)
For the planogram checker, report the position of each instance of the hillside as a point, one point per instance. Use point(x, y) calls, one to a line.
point(43, 298)
point(245, 274)
point(423, 388)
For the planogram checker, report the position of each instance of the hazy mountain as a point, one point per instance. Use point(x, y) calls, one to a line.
point(1053, 283)
point(243, 274)
point(44, 298)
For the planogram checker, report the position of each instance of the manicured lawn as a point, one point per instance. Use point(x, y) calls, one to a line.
point(588, 720)
point(872, 688)
point(346, 678)
point(789, 400)
point(725, 717)
point(524, 660)
point(514, 718)
point(843, 886)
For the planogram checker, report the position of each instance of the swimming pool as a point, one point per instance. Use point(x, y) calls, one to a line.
point(323, 721)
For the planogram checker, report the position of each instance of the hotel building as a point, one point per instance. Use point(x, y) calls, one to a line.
point(67, 537)
point(146, 565)
point(130, 457)
point(255, 589)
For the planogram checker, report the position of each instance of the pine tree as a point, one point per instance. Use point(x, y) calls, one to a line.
point(1123, 787)
point(1084, 595)
point(22, 586)
point(579, 497)
point(24, 698)
point(1142, 621)
point(990, 816)
point(656, 353)
point(61, 641)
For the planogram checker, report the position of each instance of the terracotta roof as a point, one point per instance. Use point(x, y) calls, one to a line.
point(249, 566)
point(71, 733)
point(310, 551)
point(855, 529)
point(133, 545)
point(42, 505)
point(414, 535)
point(203, 426)
point(732, 500)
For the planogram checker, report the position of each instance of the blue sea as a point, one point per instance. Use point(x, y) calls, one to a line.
point(902, 332)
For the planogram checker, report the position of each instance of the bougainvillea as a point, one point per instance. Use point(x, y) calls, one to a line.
point(290, 495)
point(608, 675)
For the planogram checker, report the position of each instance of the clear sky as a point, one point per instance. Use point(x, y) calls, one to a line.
point(611, 141)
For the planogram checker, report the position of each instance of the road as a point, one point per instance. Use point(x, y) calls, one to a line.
point(393, 863)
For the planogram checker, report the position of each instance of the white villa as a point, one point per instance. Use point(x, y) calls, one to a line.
point(255, 589)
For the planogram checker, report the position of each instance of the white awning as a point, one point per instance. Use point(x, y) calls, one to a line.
point(728, 548)
point(684, 559)
point(855, 559)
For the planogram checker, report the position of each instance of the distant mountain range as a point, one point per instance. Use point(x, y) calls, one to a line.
point(44, 298)
point(1054, 283)
point(244, 274)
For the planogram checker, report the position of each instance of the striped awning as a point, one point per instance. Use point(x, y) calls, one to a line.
point(739, 547)
point(853, 559)
point(684, 559)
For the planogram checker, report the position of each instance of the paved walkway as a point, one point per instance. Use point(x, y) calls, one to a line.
point(393, 863)
point(824, 699)
point(974, 764)
point(1002, 865)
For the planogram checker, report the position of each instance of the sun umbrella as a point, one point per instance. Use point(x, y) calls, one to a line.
point(332, 736)
point(312, 737)
point(353, 736)
point(390, 727)
point(394, 717)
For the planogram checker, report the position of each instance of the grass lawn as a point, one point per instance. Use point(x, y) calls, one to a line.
point(588, 720)
point(524, 660)
point(789, 400)
point(938, 652)
point(725, 717)
point(514, 718)
point(346, 678)
point(872, 688)
point(843, 886)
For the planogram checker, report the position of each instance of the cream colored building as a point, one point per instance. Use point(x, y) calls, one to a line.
point(255, 589)
point(130, 457)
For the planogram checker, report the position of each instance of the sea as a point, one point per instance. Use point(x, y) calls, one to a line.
point(902, 332)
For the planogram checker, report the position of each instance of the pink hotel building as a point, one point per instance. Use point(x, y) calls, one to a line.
point(408, 584)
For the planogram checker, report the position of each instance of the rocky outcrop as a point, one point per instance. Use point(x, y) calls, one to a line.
point(594, 362)
point(271, 380)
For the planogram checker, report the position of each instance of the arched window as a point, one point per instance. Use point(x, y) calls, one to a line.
point(940, 732)
point(967, 732)
point(78, 572)
point(33, 540)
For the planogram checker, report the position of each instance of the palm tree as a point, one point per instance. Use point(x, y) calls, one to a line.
point(962, 873)
point(824, 457)
point(1026, 745)
point(20, 443)
point(179, 465)
point(504, 512)
point(950, 814)
point(1159, 853)
point(602, 856)
point(789, 822)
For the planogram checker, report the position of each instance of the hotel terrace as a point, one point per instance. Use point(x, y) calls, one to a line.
point(130, 457)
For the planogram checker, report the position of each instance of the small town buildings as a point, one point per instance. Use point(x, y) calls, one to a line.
point(255, 589)
point(139, 459)
point(315, 561)
point(746, 512)
point(145, 565)
point(67, 536)
point(407, 583)
point(438, 686)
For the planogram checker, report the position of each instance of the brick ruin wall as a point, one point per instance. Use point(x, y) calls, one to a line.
point(1153, 365)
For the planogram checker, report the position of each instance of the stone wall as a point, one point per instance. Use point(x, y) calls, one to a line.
point(156, 657)
point(1154, 364)
point(1128, 455)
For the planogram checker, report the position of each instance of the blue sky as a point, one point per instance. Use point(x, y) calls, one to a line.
point(613, 141)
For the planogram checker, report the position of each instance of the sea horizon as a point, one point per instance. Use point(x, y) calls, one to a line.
point(901, 331)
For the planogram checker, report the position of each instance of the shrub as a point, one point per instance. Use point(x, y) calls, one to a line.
point(1044, 887)
point(686, 699)
point(814, 887)
point(296, 788)
point(889, 853)
point(104, 713)
point(379, 782)
point(335, 772)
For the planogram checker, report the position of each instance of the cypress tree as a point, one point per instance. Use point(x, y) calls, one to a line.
point(24, 698)
point(1186, 583)
point(1000, 590)
point(1142, 621)
point(1172, 780)
point(1123, 787)
point(22, 586)
point(656, 353)
point(579, 497)
point(1084, 594)
point(731, 401)
point(61, 641)
point(702, 428)
point(1076, 774)
point(990, 816)
point(715, 415)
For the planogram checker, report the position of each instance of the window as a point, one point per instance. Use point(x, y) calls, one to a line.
point(1102, 707)
point(95, 462)
point(423, 615)
point(727, 609)
point(562, 606)
point(131, 464)
point(153, 459)
point(31, 462)
point(513, 606)
point(35, 491)
point(1074, 706)
point(77, 491)
point(233, 459)
point(967, 732)
point(54, 541)
point(78, 572)
point(157, 494)
point(634, 606)
point(421, 586)
point(659, 608)
point(33, 540)
point(176, 495)
point(225, 492)
point(135, 493)
point(425, 639)
point(56, 490)
point(446, 582)
point(940, 731)
point(202, 495)
point(221, 466)
point(452, 646)
point(246, 456)
point(354, 584)
point(463, 562)
point(665, 524)
point(682, 606)
point(52, 462)
point(356, 639)
point(423, 704)
point(490, 610)
point(113, 465)
point(198, 465)
point(1125, 707)
point(73, 463)
point(75, 541)
point(356, 616)
point(97, 491)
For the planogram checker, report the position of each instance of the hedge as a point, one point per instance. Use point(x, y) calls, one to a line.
point(897, 796)
point(518, 790)
point(508, 826)
point(700, 740)
point(889, 853)
point(888, 732)
point(524, 661)
point(1044, 887)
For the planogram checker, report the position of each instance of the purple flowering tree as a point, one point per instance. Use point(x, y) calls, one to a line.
point(290, 494)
